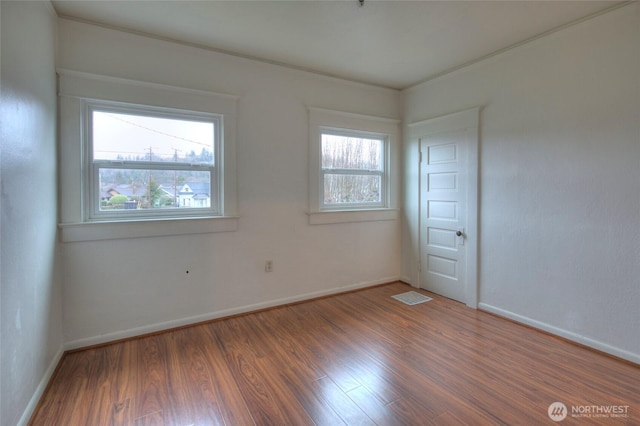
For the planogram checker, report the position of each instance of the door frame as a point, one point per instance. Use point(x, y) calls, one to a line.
point(466, 119)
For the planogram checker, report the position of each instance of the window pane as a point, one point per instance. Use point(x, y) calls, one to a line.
point(352, 189)
point(344, 152)
point(134, 189)
point(119, 136)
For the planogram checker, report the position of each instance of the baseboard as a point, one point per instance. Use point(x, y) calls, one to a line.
point(46, 378)
point(583, 340)
point(167, 325)
point(405, 279)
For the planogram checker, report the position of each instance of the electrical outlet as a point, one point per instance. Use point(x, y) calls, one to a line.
point(268, 266)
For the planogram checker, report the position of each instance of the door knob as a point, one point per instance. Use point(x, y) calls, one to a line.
point(459, 233)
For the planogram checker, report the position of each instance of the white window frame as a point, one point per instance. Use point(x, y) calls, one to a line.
point(384, 202)
point(80, 93)
point(359, 125)
point(93, 166)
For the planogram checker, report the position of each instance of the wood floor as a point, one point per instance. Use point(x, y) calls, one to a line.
point(360, 358)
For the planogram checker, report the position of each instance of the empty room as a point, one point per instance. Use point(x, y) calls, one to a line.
point(320, 212)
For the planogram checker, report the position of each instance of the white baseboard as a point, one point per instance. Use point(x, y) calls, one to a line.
point(407, 280)
point(35, 398)
point(167, 325)
point(584, 340)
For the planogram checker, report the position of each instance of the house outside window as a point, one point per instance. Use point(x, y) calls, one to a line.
point(141, 159)
point(194, 194)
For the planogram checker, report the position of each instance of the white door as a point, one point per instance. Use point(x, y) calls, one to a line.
point(448, 205)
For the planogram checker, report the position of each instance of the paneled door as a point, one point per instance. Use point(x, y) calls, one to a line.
point(448, 205)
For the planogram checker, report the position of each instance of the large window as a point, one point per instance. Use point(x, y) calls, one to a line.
point(353, 169)
point(141, 159)
point(152, 162)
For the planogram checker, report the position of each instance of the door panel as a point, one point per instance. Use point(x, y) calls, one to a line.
point(444, 196)
point(448, 200)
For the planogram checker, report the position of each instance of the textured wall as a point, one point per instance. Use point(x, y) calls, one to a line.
point(127, 286)
point(560, 167)
point(31, 291)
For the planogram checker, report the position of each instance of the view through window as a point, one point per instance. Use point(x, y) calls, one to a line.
point(352, 170)
point(147, 161)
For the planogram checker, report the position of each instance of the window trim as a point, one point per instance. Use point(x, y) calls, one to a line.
point(76, 88)
point(325, 119)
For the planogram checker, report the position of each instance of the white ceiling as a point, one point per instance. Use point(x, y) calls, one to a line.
point(389, 43)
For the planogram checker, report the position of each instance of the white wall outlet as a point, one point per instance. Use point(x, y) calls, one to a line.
point(268, 266)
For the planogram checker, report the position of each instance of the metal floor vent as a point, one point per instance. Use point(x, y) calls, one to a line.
point(411, 298)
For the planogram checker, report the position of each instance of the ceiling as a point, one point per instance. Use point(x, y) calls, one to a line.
point(392, 43)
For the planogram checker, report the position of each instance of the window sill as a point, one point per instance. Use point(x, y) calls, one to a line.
point(98, 231)
point(347, 216)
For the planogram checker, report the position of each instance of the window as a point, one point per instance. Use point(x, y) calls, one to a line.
point(353, 167)
point(152, 162)
point(141, 159)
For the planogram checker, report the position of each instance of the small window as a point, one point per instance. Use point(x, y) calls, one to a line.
point(353, 172)
point(152, 162)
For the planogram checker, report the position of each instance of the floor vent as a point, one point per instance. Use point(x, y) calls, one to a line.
point(411, 298)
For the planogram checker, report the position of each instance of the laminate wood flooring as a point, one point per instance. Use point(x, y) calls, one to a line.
point(361, 358)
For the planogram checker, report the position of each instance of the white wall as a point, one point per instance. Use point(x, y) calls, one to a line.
point(31, 292)
point(123, 287)
point(560, 179)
